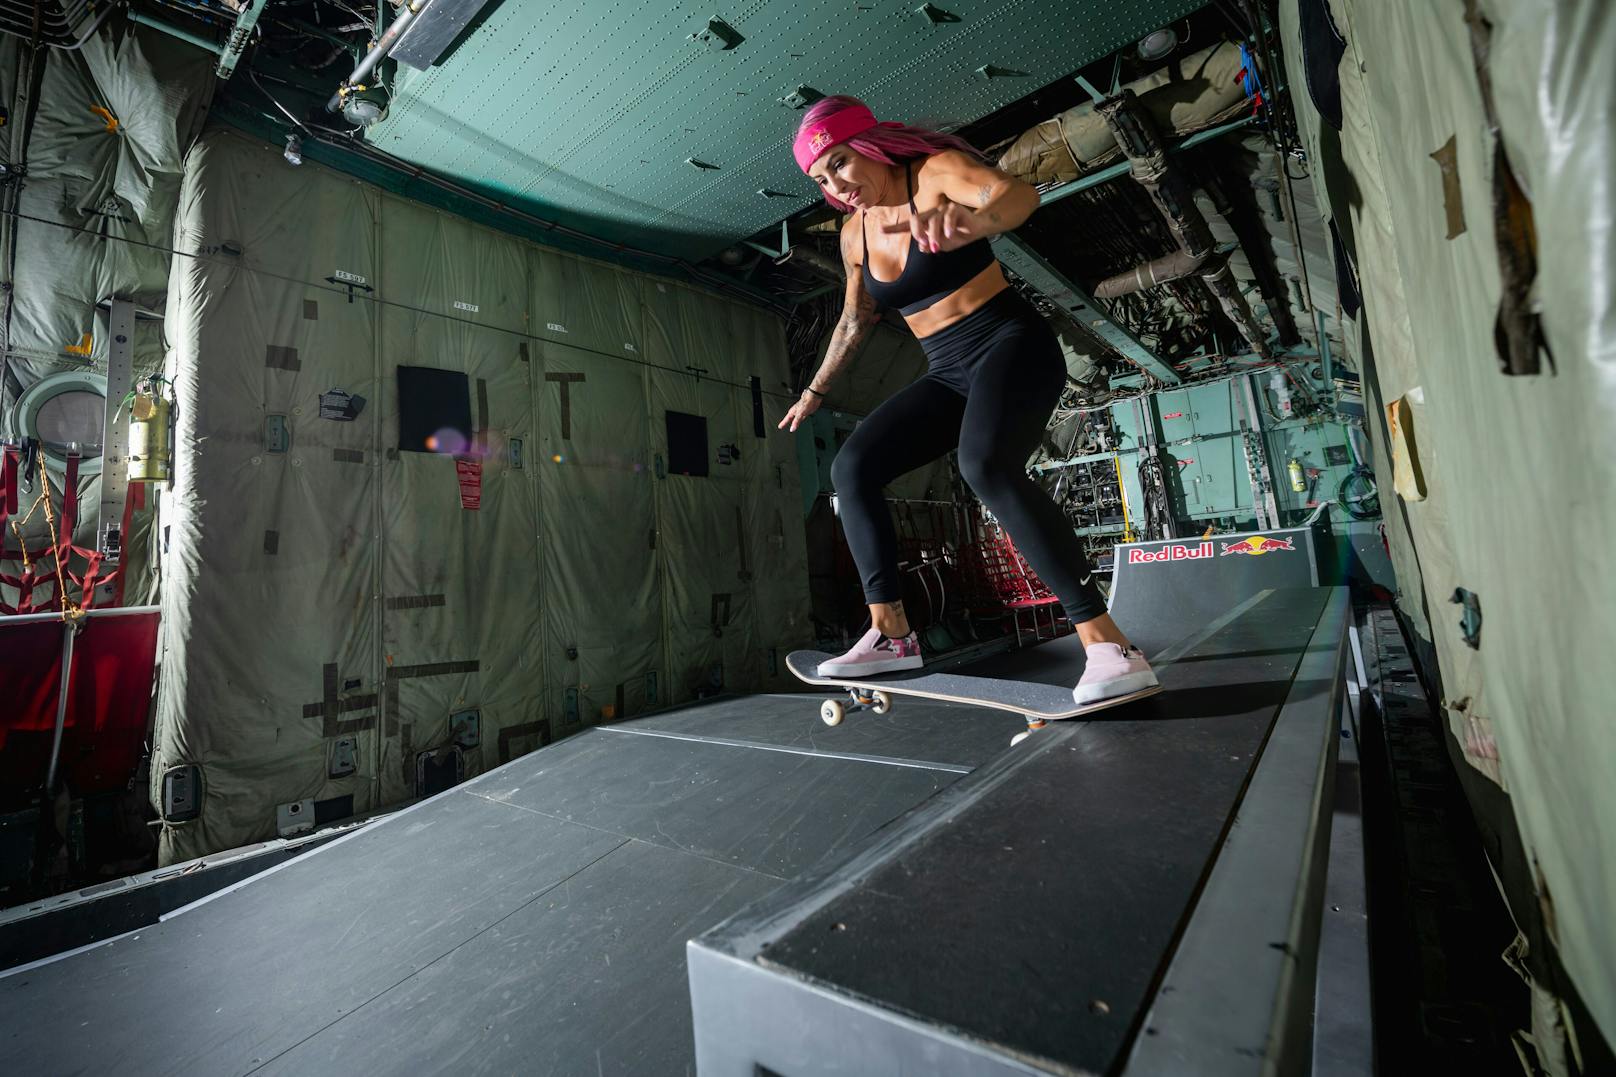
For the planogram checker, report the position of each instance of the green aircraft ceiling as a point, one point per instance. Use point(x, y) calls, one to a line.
point(591, 114)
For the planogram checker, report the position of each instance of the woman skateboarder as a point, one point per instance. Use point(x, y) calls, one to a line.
point(994, 372)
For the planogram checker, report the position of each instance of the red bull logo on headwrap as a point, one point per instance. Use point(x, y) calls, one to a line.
point(1176, 551)
point(1257, 545)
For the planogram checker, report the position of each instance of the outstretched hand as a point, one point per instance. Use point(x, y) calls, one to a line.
point(800, 411)
point(945, 228)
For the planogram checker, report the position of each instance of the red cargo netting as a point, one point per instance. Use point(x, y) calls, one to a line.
point(58, 576)
point(998, 579)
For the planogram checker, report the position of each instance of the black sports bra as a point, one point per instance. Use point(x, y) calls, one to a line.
point(926, 278)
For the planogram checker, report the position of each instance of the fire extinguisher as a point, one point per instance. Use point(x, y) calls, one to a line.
point(151, 455)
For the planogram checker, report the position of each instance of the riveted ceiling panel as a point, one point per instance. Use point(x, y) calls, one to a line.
point(590, 114)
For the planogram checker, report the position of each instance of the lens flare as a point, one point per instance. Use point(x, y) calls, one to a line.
point(448, 441)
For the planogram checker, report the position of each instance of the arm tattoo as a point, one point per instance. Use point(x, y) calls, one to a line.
point(858, 318)
point(846, 342)
point(984, 195)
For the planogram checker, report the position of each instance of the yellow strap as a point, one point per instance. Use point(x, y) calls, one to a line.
point(1122, 494)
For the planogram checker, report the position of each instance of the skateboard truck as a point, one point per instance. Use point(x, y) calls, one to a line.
point(1033, 724)
point(832, 711)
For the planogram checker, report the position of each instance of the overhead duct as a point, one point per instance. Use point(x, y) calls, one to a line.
point(1136, 135)
point(1197, 92)
point(1248, 233)
point(1170, 266)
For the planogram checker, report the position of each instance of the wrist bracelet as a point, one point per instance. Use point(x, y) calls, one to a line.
point(816, 392)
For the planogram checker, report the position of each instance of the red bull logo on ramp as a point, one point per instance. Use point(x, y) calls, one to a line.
point(1257, 545)
point(1177, 551)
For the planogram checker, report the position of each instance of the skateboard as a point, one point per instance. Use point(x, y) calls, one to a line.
point(1039, 702)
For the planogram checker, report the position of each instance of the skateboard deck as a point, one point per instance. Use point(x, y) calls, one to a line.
point(1037, 701)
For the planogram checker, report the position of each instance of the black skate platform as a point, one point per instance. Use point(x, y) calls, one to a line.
point(900, 894)
point(1079, 909)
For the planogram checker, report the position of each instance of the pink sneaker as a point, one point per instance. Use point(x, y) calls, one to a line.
point(875, 653)
point(1111, 672)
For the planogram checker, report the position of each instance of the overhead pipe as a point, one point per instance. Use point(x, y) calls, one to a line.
point(1221, 281)
point(1147, 158)
point(377, 54)
point(1169, 267)
point(1193, 92)
point(1263, 269)
point(1111, 172)
point(1136, 136)
point(174, 31)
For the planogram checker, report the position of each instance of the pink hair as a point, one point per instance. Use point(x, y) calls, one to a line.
point(890, 145)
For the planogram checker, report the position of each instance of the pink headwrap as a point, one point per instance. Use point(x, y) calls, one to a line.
point(833, 130)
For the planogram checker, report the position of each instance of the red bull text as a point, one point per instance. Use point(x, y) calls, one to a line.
point(1175, 552)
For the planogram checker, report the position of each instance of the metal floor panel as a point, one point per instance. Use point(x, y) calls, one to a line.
point(773, 812)
point(588, 979)
point(526, 920)
point(230, 983)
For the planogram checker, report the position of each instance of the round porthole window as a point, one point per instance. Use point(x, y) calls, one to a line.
point(63, 411)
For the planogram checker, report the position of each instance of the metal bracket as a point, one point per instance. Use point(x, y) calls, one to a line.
point(240, 35)
point(785, 244)
point(1088, 88)
point(801, 97)
point(115, 431)
point(1261, 475)
point(1077, 304)
point(719, 35)
point(1152, 438)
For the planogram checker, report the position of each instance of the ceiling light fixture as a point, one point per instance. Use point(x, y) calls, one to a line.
point(365, 106)
point(1158, 43)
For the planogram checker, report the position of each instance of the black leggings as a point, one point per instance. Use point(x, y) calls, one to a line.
point(992, 380)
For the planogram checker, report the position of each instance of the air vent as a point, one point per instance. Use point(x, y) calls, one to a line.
point(703, 165)
point(937, 15)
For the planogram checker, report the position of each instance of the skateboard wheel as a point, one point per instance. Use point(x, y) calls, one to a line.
point(831, 712)
point(883, 703)
point(1019, 737)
